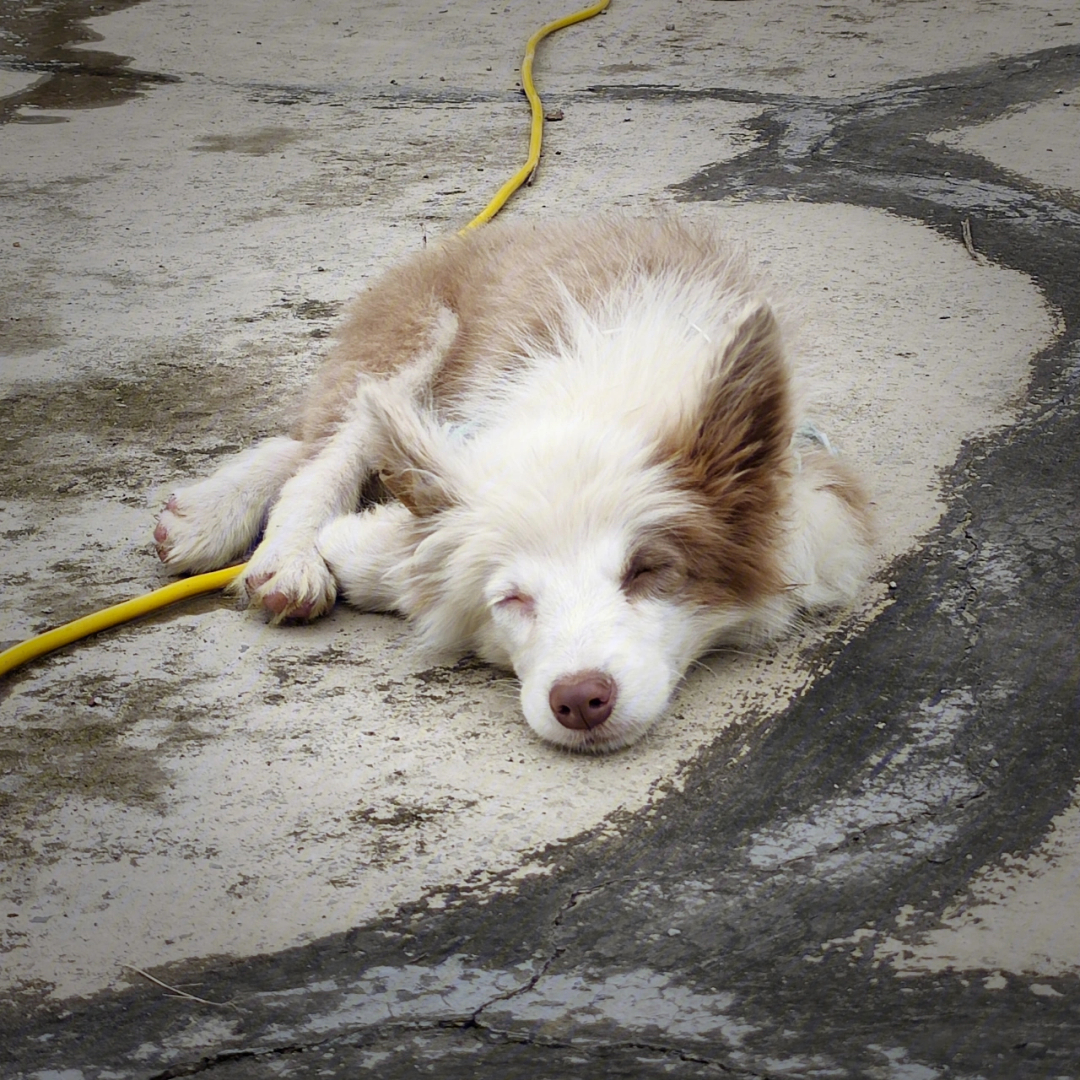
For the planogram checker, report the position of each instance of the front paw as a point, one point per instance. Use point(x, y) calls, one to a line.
point(287, 586)
point(189, 540)
point(165, 530)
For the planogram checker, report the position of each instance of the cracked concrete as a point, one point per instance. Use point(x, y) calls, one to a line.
point(852, 855)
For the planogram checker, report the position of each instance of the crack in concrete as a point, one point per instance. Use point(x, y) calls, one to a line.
point(207, 1063)
point(572, 901)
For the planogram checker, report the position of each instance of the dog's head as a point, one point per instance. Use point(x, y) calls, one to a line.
point(597, 554)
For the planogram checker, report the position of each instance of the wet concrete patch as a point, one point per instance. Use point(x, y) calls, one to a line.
point(887, 150)
point(1018, 916)
point(39, 38)
point(267, 140)
point(1031, 139)
point(164, 418)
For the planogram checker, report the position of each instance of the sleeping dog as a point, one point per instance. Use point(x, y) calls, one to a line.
point(575, 449)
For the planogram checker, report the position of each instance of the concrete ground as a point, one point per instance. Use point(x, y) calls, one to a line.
point(856, 854)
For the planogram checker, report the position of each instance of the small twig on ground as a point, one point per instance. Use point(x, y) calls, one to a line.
point(965, 229)
point(175, 991)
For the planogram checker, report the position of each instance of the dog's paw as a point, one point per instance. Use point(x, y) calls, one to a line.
point(192, 536)
point(216, 521)
point(287, 586)
point(364, 552)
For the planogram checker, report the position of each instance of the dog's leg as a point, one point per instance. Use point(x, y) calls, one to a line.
point(364, 551)
point(286, 575)
point(214, 522)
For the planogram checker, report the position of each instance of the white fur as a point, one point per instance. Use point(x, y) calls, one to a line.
point(214, 522)
point(531, 491)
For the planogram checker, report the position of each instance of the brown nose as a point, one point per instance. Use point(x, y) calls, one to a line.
point(583, 701)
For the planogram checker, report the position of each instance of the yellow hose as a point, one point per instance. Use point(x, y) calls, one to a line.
point(218, 579)
point(536, 132)
point(111, 616)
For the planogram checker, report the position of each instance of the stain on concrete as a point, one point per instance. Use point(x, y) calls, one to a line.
point(266, 140)
point(160, 415)
point(38, 38)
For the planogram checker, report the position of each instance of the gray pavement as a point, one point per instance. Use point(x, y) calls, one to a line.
point(856, 854)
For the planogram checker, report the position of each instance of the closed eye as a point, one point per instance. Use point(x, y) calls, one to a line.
point(651, 575)
point(636, 571)
point(516, 603)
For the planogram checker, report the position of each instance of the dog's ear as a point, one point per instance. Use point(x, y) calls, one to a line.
point(743, 424)
point(412, 454)
point(733, 452)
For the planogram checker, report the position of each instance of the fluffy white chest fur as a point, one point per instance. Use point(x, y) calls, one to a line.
point(574, 449)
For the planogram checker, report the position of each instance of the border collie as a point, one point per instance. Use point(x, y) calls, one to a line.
point(575, 449)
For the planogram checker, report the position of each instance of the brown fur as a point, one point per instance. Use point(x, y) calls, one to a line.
point(734, 460)
point(498, 300)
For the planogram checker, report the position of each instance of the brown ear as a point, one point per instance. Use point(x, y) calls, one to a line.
point(412, 455)
point(733, 455)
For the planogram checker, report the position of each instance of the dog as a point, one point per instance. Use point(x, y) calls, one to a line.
point(574, 449)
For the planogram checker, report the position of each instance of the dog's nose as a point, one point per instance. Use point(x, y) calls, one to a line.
point(584, 700)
